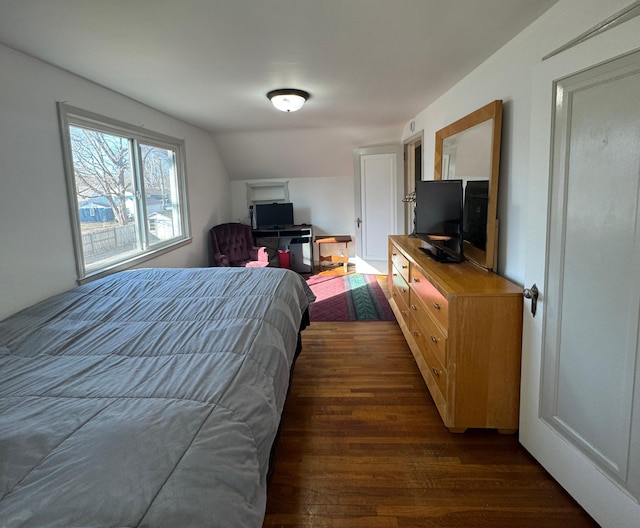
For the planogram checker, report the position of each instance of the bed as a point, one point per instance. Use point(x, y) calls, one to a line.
point(148, 398)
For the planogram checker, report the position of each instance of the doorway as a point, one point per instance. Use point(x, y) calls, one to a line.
point(378, 190)
point(412, 174)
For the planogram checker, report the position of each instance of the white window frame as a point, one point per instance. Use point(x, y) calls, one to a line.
point(73, 116)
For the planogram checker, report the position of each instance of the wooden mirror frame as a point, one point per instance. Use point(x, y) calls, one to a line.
point(487, 258)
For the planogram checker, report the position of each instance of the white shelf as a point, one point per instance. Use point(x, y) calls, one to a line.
point(267, 192)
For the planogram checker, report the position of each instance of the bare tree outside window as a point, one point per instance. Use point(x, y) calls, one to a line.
point(127, 189)
point(102, 167)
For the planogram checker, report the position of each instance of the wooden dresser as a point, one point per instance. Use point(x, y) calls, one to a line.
point(464, 327)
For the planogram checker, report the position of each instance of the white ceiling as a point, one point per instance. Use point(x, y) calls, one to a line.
point(366, 63)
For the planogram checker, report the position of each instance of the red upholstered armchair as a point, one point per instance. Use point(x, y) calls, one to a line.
point(232, 245)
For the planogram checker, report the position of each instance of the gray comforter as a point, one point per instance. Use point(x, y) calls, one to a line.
point(148, 398)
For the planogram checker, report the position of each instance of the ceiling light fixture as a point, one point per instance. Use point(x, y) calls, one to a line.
point(288, 99)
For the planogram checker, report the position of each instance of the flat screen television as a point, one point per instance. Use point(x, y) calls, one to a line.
point(274, 215)
point(439, 214)
point(476, 201)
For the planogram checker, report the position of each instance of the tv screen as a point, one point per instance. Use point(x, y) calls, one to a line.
point(476, 200)
point(439, 213)
point(274, 215)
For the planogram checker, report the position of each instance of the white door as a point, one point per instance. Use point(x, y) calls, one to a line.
point(378, 182)
point(580, 416)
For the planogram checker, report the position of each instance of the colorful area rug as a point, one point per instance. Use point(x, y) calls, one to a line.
point(353, 297)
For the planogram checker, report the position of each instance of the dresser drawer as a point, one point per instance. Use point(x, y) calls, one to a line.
point(400, 284)
point(401, 302)
point(436, 368)
point(400, 262)
point(438, 371)
point(433, 300)
point(434, 337)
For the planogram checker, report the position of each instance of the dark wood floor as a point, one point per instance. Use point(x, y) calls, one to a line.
point(363, 445)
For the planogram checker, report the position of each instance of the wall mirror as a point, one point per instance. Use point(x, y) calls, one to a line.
point(469, 150)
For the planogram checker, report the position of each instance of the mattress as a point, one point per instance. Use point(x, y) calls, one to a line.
point(148, 398)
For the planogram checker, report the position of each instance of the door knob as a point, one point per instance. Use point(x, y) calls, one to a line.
point(358, 221)
point(532, 293)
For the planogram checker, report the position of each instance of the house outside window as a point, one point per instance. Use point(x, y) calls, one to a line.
point(127, 192)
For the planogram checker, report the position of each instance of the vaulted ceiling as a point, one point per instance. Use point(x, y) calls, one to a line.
point(211, 62)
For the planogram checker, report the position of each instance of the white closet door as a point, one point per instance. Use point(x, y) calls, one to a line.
point(593, 269)
point(378, 201)
point(580, 374)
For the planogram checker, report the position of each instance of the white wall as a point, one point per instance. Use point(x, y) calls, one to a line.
point(507, 75)
point(325, 203)
point(317, 163)
point(299, 153)
point(36, 247)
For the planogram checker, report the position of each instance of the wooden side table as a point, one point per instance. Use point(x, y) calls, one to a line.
point(334, 239)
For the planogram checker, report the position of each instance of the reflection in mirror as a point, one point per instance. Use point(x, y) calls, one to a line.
point(474, 146)
point(469, 150)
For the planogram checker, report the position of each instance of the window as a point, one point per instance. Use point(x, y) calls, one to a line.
point(127, 192)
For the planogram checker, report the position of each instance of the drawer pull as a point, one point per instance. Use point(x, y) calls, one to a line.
point(416, 279)
point(436, 305)
point(416, 334)
point(436, 372)
point(404, 267)
point(434, 339)
point(414, 307)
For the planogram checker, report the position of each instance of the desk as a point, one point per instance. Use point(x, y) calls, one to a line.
point(297, 239)
point(334, 239)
